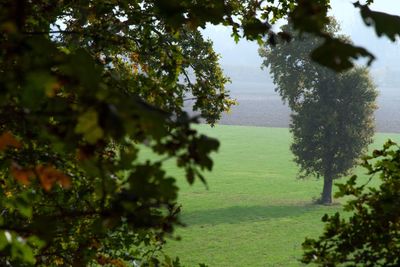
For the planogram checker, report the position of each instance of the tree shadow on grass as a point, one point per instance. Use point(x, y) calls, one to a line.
point(238, 214)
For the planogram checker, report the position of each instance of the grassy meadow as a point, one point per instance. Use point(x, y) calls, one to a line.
point(255, 212)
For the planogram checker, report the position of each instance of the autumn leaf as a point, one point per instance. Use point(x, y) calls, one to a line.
point(52, 88)
point(21, 174)
point(48, 176)
point(7, 139)
point(117, 263)
point(8, 27)
point(104, 260)
point(134, 57)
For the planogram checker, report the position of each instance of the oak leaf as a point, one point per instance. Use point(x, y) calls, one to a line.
point(21, 174)
point(49, 175)
point(7, 139)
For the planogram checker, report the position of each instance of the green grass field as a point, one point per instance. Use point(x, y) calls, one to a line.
point(255, 212)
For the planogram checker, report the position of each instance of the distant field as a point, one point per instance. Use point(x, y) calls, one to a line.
point(260, 105)
point(255, 213)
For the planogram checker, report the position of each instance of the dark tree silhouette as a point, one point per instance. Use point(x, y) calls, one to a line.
point(332, 113)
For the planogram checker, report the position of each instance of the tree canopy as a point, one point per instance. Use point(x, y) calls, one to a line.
point(84, 86)
point(332, 114)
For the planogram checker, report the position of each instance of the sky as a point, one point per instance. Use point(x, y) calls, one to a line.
point(388, 54)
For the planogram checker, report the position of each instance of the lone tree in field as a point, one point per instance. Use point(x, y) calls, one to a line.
point(332, 113)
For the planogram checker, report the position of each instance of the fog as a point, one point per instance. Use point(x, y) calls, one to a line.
point(260, 105)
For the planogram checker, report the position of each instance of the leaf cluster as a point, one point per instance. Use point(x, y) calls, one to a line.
point(369, 236)
point(84, 88)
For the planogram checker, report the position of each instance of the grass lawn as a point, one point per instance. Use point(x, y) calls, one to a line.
point(255, 212)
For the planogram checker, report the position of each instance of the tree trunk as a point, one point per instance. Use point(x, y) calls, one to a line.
point(327, 191)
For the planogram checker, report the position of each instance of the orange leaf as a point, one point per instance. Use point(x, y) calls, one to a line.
point(52, 88)
point(7, 139)
point(105, 260)
point(48, 176)
point(20, 174)
point(117, 263)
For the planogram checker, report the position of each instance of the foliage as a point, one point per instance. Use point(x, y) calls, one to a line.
point(370, 236)
point(84, 87)
point(335, 53)
point(332, 119)
point(385, 24)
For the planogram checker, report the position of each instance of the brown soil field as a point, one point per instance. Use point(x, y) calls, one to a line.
point(260, 105)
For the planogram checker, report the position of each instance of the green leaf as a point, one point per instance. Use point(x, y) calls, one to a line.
point(252, 28)
point(337, 54)
point(310, 16)
point(81, 65)
point(20, 250)
point(36, 242)
point(384, 24)
point(24, 207)
point(89, 127)
point(3, 240)
point(38, 84)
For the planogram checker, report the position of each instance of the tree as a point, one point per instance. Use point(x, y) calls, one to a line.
point(332, 119)
point(370, 235)
point(83, 86)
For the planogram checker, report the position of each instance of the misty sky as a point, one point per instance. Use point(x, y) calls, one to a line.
point(388, 54)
